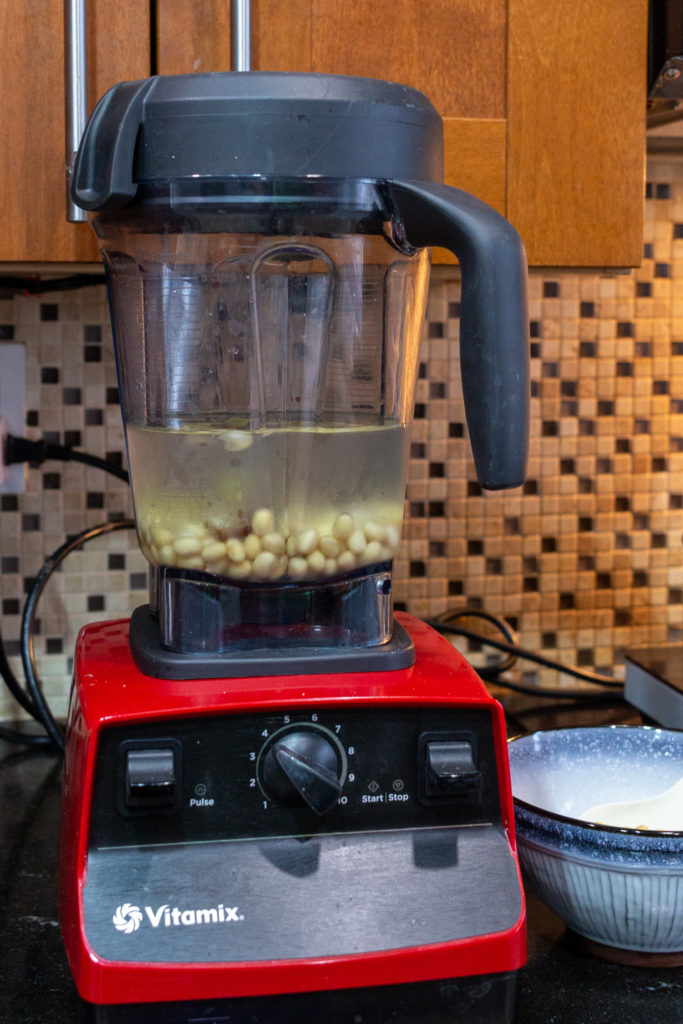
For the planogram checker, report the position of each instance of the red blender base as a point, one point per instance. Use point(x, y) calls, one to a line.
point(259, 849)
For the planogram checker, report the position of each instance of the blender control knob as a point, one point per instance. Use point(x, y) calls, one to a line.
point(303, 767)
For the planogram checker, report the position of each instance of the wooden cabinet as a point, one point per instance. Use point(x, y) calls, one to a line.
point(575, 167)
point(543, 102)
point(32, 136)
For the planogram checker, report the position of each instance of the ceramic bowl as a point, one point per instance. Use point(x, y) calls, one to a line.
point(621, 889)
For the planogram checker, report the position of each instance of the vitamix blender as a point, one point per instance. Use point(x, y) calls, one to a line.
point(281, 799)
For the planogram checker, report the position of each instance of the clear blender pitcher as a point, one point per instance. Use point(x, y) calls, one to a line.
point(268, 441)
point(264, 238)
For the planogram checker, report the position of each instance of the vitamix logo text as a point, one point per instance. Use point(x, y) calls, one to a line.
point(128, 918)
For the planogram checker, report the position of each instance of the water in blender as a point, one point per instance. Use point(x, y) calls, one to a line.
point(268, 504)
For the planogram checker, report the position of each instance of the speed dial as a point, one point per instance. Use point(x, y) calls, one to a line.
point(304, 766)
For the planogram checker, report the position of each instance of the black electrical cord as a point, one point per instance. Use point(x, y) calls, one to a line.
point(444, 624)
point(488, 672)
point(40, 286)
point(27, 739)
point(20, 449)
point(44, 713)
point(13, 684)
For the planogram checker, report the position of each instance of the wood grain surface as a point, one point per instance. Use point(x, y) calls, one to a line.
point(32, 154)
point(454, 50)
point(544, 103)
point(576, 130)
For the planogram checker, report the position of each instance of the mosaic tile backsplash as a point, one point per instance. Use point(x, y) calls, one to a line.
point(584, 560)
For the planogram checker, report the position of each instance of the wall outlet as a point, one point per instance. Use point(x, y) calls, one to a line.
point(12, 413)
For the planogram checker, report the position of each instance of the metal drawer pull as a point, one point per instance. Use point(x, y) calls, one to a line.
point(76, 102)
point(240, 35)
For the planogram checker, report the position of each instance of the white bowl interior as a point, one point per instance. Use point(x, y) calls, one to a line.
point(566, 771)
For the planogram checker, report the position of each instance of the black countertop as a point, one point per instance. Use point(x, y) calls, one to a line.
point(561, 984)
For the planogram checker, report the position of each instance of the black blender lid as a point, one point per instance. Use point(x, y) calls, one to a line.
point(282, 124)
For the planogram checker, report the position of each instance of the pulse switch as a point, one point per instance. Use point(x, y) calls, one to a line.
point(150, 778)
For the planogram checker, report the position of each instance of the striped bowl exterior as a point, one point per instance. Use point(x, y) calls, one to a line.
point(634, 908)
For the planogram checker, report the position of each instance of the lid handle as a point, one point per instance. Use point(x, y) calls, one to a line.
point(494, 326)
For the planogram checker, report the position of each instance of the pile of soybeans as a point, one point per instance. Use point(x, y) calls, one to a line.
point(263, 552)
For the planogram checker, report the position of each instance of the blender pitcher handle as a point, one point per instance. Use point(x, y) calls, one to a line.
point(494, 326)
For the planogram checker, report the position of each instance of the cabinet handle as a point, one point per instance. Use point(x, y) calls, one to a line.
point(75, 91)
point(240, 35)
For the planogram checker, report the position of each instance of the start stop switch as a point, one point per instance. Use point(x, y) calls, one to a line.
point(449, 769)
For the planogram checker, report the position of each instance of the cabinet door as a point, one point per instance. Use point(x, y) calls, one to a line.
point(543, 100)
point(576, 130)
point(452, 50)
point(32, 154)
